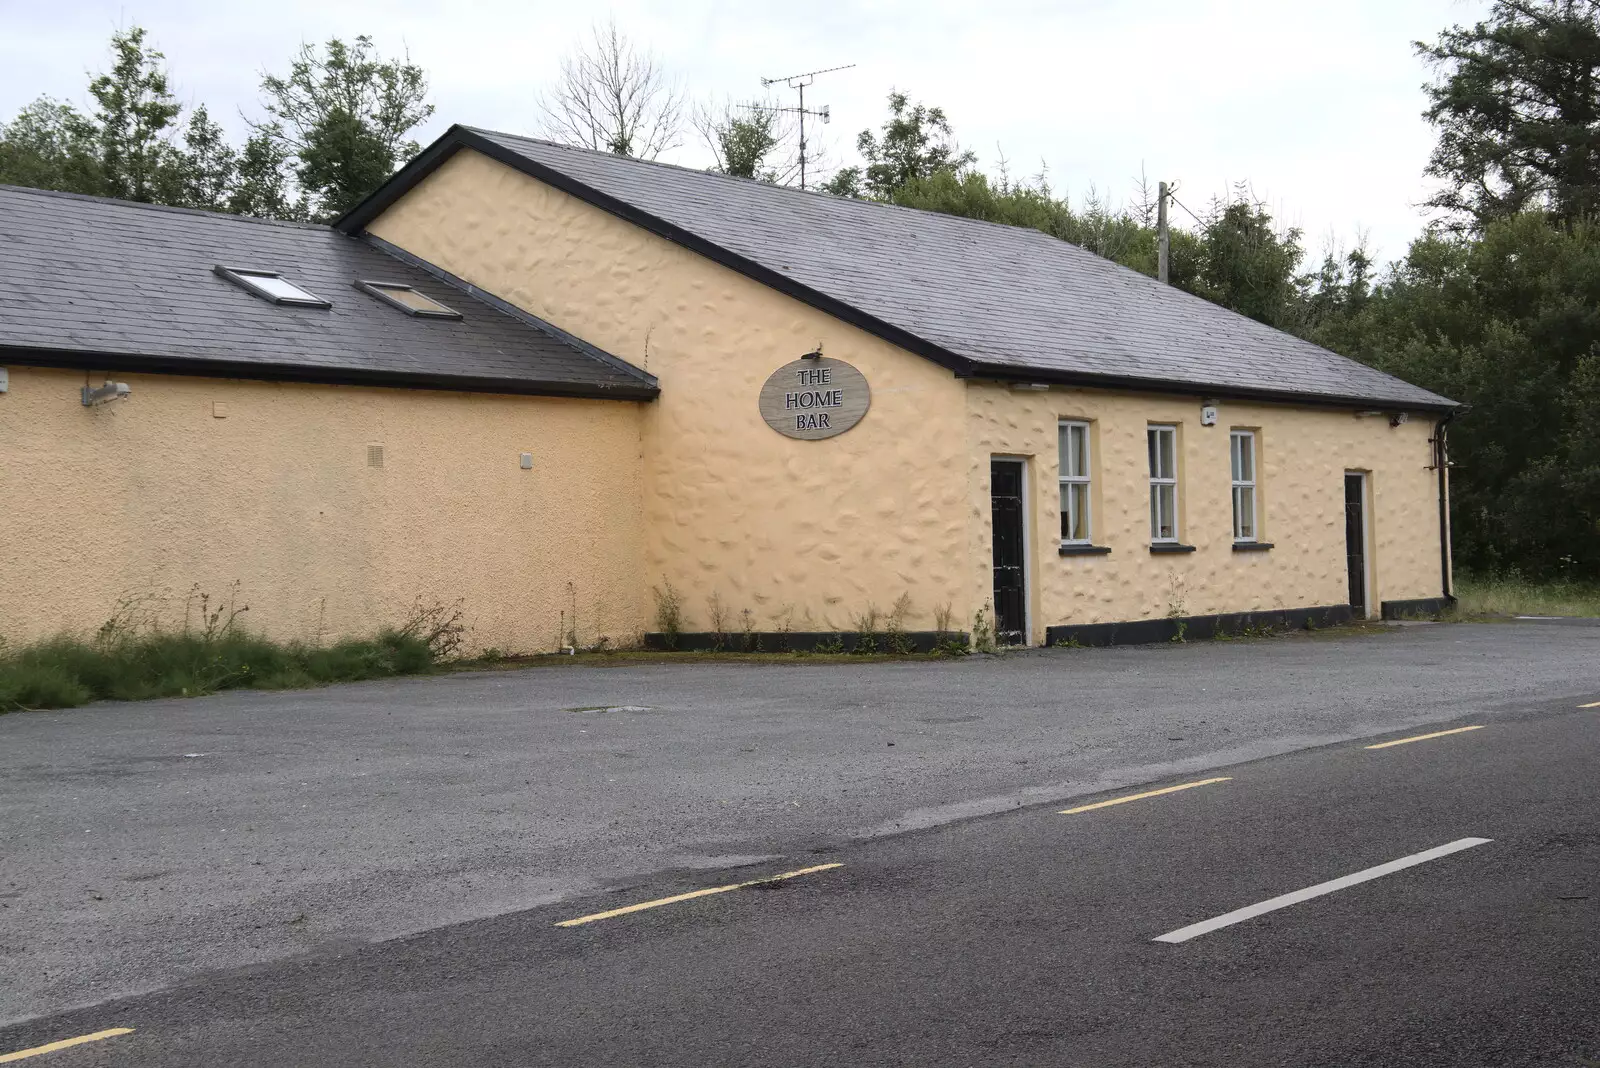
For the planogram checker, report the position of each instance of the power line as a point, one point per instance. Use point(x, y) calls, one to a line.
point(1185, 207)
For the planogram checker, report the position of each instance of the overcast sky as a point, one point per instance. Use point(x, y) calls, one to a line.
point(1317, 105)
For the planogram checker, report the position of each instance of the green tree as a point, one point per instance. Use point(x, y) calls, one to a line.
point(136, 117)
point(1247, 265)
point(262, 183)
point(51, 145)
point(1508, 323)
point(742, 137)
point(344, 115)
point(207, 167)
point(1517, 108)
point(915, 143)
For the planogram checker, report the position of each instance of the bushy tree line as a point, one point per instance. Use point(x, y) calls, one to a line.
point(331, 129)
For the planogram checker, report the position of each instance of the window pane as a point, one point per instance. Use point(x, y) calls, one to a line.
point(1064, 433)
point(1080, 511)
point(1234, 444)
point(1155, 466)
point(1066, 511)
point(1074, 450)
point(1244, 513)
point(1247, 458)
point(1163, 513)
point(274, 286)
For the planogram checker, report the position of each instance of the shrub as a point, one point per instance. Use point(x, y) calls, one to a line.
point(669, 613)
point(130, 662)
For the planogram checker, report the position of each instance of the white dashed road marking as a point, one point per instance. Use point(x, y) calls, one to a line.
point(1195, 930)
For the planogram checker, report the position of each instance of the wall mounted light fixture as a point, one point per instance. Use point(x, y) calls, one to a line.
point(97, 395)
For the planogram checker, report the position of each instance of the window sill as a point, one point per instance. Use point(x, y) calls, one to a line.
point(1251, 546)
point(1084, 550)
point(1170, 547)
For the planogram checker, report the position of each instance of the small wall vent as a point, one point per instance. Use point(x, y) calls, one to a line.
point(374, 455)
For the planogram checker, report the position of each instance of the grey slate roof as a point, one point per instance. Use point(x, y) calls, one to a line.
point(111, 285)
point(983, 298)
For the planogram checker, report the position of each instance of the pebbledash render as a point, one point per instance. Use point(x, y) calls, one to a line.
point(555, 385)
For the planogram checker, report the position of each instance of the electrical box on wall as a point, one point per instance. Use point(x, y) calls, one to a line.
point(526, 460)
point(1208, 415)
point(5, 379)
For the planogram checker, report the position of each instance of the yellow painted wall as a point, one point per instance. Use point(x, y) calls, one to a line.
point(154, 494)
point(808, 533)
point(900, 505)
point(1302, 453)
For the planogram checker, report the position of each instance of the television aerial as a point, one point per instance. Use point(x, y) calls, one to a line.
point(798, 82)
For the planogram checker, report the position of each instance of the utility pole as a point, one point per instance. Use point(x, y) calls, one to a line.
point(799, 82)
point(1163, 239)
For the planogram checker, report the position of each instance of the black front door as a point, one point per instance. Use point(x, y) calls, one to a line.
point(1355, 541)
point(1005, 491)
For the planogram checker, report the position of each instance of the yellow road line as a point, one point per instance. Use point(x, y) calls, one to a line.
point(1141, 797)
point(1591, 704)
point(64, 1043)
point(1424, 737)
point(675, 898)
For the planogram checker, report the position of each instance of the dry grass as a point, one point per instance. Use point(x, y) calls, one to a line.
point(1515, 596)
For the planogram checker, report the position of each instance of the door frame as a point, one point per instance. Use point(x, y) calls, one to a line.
point(1366, 539)
point(1027, 543)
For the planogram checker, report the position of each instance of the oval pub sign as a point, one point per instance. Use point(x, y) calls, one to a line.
point(814, 398)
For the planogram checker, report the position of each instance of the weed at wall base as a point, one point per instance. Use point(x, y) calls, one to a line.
point(669, 612)
point(982, 632)
point(125, 663)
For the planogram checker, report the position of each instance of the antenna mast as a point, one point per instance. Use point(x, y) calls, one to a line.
point(799, 82)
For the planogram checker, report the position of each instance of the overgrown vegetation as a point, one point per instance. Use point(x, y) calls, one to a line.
point(669, 612)
point(133, 658)
point(1513, 595)
point(1177, 606)
point(982, 631)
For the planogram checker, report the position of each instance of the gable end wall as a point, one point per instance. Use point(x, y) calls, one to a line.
point(804, 535)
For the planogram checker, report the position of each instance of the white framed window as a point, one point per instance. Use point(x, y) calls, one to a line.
point(1243, 447)
point(1075, 517)
point(1163, 442)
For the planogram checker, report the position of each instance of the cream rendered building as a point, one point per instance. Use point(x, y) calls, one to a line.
point(797, 412)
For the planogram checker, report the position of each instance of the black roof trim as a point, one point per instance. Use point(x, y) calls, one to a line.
point(512, 310)
point(458, 137)
point(1010, 373)
point(70, 359)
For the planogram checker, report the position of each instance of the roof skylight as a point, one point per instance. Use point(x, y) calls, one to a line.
point(271, 286)
point(408, 299)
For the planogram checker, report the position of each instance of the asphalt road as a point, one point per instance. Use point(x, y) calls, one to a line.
point(143, 845)
point(1027, 938)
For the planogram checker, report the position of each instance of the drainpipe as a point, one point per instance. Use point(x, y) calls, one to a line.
point(1442, 462)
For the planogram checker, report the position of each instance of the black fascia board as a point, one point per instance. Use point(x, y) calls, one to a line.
point(1000, 372)
point(458, 137)
point(264, 371)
